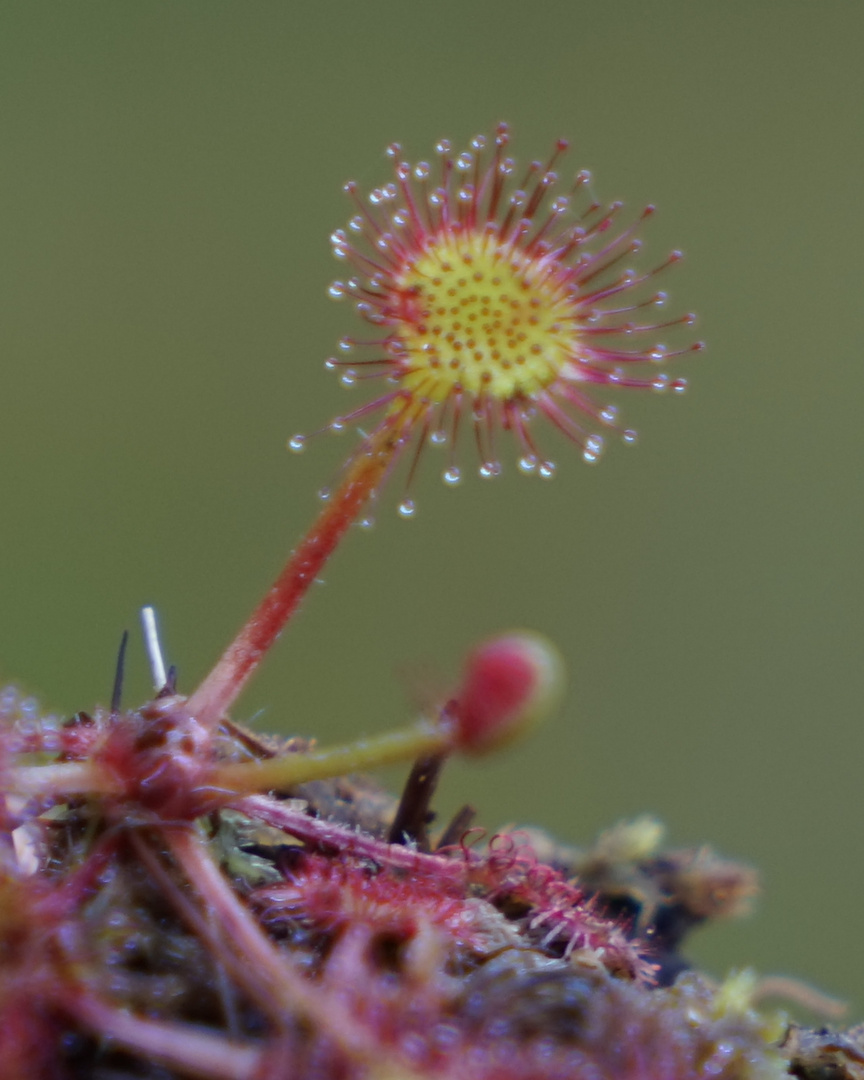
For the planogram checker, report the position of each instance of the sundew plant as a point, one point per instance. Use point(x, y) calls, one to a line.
point(182, 896)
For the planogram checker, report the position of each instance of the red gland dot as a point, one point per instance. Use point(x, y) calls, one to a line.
point(510, 684)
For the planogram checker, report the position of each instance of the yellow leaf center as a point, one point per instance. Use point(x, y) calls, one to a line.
point(484, 318)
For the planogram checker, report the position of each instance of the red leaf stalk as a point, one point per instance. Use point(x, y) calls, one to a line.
point(209, 703)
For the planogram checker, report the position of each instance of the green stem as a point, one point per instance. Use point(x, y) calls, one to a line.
point(422, 739)
point(68, 778)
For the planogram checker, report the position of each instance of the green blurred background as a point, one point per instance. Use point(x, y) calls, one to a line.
point(170, 174)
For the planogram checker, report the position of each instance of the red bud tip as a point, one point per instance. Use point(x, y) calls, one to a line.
point(510, 683)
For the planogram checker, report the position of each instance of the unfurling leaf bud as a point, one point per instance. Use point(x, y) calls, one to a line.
point(510, 684)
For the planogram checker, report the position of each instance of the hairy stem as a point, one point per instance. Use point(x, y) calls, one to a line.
point(221, 687)
point(320, 833)
point(201, 923)
point(291, 992)
point(195, 1051)
point(67, 778)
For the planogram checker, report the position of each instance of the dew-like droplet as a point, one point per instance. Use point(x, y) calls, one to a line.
point(490, 469)
point(661, 383)
point(609, 414)
point(348, 378)
point(336, 290)
point(421, 170)
point(464, 162)
point(438, 438)
point(324, 494)
point(337, 425)
point(346, 344)
point(528, 463)
point(678, 386)
point(407, 508)
point(630, 436)
point(297, 443)
point(546, 469)
point(594, 446)
point(452, 476)
point(25, 726)
point(367, 522)
point(8, 701)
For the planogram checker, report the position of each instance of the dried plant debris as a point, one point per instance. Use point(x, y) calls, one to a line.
point(825, 1054)
point(287, 937)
